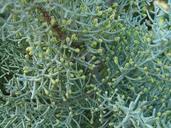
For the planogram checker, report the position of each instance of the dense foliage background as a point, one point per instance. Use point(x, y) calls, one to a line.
point(85, 64)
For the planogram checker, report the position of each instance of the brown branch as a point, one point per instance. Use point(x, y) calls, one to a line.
point(47, 17)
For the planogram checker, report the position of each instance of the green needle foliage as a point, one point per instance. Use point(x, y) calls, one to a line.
point(84, 64)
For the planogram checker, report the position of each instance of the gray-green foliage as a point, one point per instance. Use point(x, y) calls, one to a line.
point(85, 64)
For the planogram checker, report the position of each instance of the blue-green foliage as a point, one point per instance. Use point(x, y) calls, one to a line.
point(84, 64)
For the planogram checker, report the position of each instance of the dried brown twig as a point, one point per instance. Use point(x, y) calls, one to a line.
point(56, 27)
